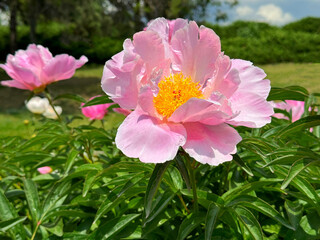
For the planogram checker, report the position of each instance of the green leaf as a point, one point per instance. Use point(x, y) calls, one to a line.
point(91, 176)
point(8, 224)
point(57, 229)
point(302, 185)
point(7, 212)
point(112, 227)
point(183, 170)
point(153, 185)
point(189, 224)
point(160, 206)
point(261, 206)
point(250, 222)
point(301, 124)
point(98, 100)
point(288, 93)
point(242, 189)
point(74, 97)
point(205, 198)
point(242, 164)
point(110, 202)
point(294, 211)
point(70, 160)
point(211, 220)
point(297, 167)
point(32, 196)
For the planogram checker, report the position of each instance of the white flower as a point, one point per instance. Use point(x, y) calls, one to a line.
point(37, 105)
point(49, 112)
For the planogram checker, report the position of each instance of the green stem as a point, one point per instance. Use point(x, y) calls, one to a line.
point(46, 92)
point(193, 184)
point(35, 230)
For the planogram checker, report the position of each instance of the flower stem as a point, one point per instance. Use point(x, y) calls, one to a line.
point(48, 96)
point(193, 184)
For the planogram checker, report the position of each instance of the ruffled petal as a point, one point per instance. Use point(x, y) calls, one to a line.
point(121, 77)
point(250, 97)
point(254, 111)
point(59, 68)
point(252, 78)
point(150, 140)
point(150, 48)
point(204, 111)
point(211, 144)
point(195, 51)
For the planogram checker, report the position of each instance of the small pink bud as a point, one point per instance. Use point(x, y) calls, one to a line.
point(44, 170)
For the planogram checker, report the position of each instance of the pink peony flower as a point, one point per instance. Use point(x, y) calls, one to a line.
point(96, 111)
point(44, 170)
point(33, 69)
point(184, 92)
point(296, 108)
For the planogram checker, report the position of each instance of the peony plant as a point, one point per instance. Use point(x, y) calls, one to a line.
point(184, 92)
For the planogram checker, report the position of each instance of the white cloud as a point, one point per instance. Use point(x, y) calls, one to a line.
point(269, 13)
point(244, 11)
point(274, 14)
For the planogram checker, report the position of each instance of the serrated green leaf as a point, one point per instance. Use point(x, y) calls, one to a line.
point(250, 222)
point(153, 185)
point(211, 220)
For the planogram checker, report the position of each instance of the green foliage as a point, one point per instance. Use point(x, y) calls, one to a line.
point(269, 191)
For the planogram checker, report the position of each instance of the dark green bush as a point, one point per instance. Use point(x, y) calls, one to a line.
point(254, 41)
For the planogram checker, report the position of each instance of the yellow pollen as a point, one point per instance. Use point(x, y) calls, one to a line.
point(174, 91)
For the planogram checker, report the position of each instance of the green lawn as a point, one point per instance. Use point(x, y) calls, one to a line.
point(86, 82)
point(283, 74)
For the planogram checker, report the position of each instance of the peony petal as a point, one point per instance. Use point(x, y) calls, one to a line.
point(150, 47)
point(201, 110)
point(59, 68)
point(252, 78)
point(254, 111)
point(195, 51)
point(121, 76)
point(81, 61)
point(150, 140)
point(211, 144)
point(16, 84)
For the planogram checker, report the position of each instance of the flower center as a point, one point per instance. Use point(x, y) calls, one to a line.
point(174, 91)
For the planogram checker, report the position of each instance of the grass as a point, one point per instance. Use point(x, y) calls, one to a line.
point(86, 82)
point(287, 74)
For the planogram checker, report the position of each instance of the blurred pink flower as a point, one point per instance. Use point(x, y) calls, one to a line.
point(96, 111)
point(33, 69)
point(44, 170)
point(184, 92)
point(296, 108)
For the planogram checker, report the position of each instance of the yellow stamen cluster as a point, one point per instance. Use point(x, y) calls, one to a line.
point(174, 91)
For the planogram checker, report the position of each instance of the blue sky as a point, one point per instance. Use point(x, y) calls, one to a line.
point(275, 12)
